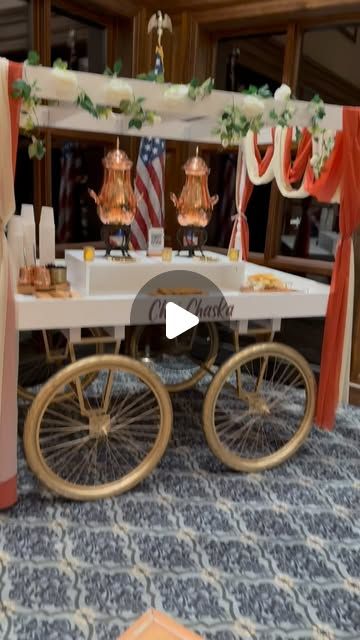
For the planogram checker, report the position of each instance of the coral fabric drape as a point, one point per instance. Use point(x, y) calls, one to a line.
point(244, 188)
point(9, 114)
point(339, 181)
point(342, 167)
point(294, 171)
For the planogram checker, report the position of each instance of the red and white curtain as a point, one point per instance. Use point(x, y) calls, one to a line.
point(338, 182)
point(9, 126)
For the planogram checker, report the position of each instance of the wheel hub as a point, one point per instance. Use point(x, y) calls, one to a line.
point(99, 425)
point(258, 405)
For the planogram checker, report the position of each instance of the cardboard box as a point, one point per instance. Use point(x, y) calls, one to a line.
point(154, 625)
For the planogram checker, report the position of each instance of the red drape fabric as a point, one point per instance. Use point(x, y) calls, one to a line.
point(8, 492)
point(295, 170)
point(249, 187)
point(343, 167)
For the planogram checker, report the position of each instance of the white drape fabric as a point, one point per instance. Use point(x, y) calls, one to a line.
point(252, 164)
point(275, 168)
point(239, 193)
point(8, 433)
point(7, 201)
point(278, 161)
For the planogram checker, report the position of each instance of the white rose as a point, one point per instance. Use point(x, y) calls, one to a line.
point(176, 92)
point(66, 81)
point(117, 90)
point(283, 93)
point(252, 106)
point(157, 119)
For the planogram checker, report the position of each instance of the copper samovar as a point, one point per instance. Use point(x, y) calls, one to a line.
point(116, 202)
point(194, 206)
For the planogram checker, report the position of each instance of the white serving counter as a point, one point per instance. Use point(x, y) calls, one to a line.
point(103, 277)
point(114, 310)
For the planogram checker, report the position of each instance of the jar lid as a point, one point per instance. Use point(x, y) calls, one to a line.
point(196, 166)
point(117, 159)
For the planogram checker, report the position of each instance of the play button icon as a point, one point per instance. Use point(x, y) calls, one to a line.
point(178, 320)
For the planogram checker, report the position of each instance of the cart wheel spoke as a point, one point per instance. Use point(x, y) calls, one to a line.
point(182, 362)
point(104, 440)
point(266, 420)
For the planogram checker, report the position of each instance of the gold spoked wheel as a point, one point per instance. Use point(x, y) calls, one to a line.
point(259, 407)
point(104, 438)
point(42, 354)
point(181, 362)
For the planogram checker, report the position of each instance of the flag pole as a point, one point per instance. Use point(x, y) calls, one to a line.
point(150, 166)
point(160, 21)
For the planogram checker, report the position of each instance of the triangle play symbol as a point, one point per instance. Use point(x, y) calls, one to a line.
point(178, 320)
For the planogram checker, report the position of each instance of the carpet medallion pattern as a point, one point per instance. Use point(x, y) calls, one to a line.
point(271, 556)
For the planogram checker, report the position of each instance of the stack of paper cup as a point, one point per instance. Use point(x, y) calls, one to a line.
point(47, 236)
point(15, 237)
point(28, 219)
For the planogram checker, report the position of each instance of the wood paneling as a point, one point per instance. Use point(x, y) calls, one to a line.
point(274, 222)
point(301, 265)
point(140, 48)
point(290, 72)
point(110, 7)
point(354, 396)
point(41, 42)
point(215, 13)
point(292, 55)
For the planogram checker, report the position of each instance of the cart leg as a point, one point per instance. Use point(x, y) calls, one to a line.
point(236, 340)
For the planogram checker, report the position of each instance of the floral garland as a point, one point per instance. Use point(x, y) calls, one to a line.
point(236, 121)
point(323, 139)
point(28, 93)
point(117, 91)
point(233, 126)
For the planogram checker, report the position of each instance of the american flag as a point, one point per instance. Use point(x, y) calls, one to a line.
point(149, 183)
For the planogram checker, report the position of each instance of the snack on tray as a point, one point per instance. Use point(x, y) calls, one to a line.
point(265, 281)
point(181, 291)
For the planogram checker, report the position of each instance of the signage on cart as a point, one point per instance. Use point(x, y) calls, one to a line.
point(180, 299)
point(155, 241)
point(178, 320)
point(211, 309)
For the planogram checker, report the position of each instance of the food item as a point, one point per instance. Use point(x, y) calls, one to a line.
point(181, 291)
point(265, 281)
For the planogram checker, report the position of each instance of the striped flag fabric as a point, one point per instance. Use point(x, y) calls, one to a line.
point(149, 184)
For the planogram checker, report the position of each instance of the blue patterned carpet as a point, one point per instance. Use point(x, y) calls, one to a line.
point(267, 557)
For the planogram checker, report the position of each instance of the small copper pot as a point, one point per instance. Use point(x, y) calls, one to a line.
point(26, 276)
point(42, 278)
